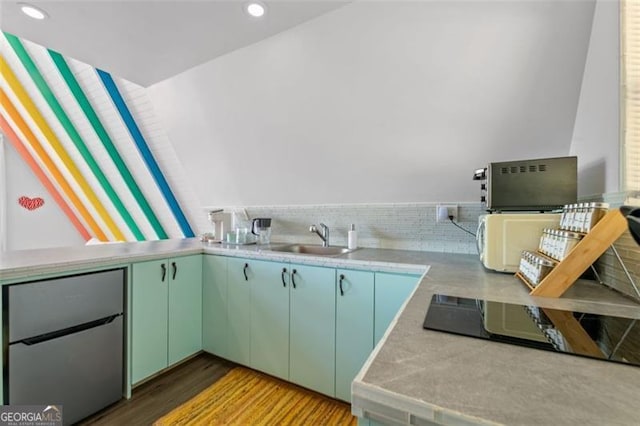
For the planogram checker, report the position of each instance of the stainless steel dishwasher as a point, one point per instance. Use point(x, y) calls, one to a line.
point(65, 342)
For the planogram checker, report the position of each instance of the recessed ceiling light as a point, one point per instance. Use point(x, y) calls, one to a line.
point(255, 9)
point(32, 11)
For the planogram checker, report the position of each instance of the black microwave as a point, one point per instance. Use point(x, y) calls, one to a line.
point(540, 184)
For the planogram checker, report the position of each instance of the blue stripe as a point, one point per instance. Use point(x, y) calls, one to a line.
point(143, 148)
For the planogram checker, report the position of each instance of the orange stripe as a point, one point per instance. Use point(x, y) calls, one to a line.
point(46, 159)
point(55, 143)
point(26, 156)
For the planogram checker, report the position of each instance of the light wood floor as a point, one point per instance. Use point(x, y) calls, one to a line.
point(159, 396)
point(248, 397)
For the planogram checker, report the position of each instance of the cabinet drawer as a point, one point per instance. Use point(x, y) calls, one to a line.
point(44, 306)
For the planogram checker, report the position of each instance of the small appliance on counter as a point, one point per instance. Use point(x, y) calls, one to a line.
point(502, 238)
point(261, 228)
point(541, 184)
point(220, 223)
point(604, 337)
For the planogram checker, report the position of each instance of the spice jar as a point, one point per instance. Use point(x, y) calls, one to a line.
point(594, 212)
point(569, 219)
point(568, 241)
point(543, 268)
point(544, 241)
point(578, 218)
point(564, 216)
point(534, 267)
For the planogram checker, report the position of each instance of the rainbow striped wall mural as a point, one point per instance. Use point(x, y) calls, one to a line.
point(86, 137)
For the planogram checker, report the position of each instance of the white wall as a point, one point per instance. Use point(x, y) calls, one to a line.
point(596, 136)
point(380, 102)
point(44, 227)
point(3, 195)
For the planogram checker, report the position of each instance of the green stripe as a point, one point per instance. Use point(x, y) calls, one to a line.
point(46, 92)
point(88, 110)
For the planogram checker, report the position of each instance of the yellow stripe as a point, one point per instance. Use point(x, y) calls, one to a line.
point(55, 143)
point(48, 162)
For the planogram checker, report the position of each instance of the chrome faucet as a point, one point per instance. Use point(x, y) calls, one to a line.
point(324, 235)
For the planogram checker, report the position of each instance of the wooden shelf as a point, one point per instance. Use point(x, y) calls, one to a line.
point(573, 333)
point(583, 255)
point(524, 280)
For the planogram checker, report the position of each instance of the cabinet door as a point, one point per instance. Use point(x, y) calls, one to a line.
point(270, 318)
point(149, 318)
point(214, 305)
point(239, 273)
point(390, 293)
point(312, 325)
point(354, 327)
point(185, 307)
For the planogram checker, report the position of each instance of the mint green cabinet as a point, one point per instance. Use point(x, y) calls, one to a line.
point(166, 321)
point(214, 305)
point(239, 310)
point(270, 317)
point(185, 307)
point(311, 325)
point(312, 328)
point(354, 326)
point(149, 319)
point(391, 291)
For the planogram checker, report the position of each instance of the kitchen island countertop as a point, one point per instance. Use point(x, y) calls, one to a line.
point(415, 376)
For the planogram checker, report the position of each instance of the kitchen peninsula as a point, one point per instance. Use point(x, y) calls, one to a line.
point(415, 376)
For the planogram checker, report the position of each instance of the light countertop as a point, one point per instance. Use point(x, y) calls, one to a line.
point(415, 376)
point(24, 264)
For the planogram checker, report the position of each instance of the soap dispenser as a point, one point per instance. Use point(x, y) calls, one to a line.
point(352, 237)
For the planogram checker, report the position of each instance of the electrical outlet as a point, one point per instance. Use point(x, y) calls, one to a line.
point(443, 211)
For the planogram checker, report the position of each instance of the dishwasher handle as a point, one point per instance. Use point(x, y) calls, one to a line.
point(67, 331)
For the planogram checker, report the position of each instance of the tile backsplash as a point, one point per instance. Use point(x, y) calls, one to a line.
point(412, 226)
point(610, 270)
point(407, 226)
point(612, 273)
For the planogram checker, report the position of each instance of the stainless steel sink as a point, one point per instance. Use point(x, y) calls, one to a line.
point(311, 249)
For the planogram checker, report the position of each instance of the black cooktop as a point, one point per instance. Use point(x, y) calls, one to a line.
point(604, 337)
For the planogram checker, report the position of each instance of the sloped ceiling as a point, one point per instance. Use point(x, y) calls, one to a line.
point(148, 41)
